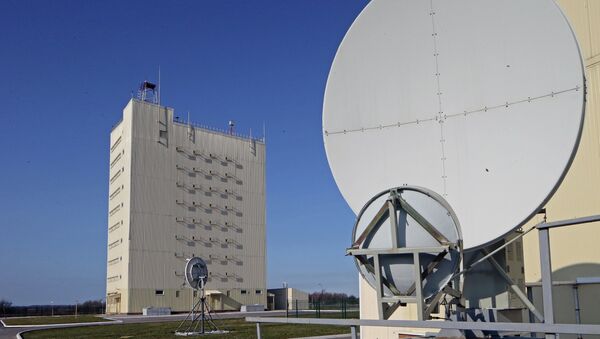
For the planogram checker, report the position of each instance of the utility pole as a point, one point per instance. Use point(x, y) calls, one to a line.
point(76, 303)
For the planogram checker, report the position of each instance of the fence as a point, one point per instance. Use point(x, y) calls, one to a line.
point(343, 309)
point(50, 310)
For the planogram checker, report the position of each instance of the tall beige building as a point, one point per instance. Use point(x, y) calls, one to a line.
point(178, 191)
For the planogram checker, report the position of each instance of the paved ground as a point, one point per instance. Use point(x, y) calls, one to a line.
point(11, 332)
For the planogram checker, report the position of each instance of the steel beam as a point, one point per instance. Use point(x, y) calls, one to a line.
point(546, 270)
point(418, 285)
point(382, 213)
point(393, 221)
point(422, 221)
point(403, 250)
point(402, 299)
point(353, 332)
point(520, 294)
point(450, 325)
point(378, 286)
point(569, 222)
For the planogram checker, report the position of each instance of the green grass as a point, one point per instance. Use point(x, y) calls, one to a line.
point(63, 319)
point(329, 315)
point(238, 327)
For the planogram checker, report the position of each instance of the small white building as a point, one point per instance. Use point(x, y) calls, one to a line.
point(293, 296)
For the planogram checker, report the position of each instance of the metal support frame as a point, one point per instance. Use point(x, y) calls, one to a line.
point(548, 327)
point(202, 317)
point(545, 262)
point(386, 305)
point(577, 309)
point(546, 270)
point(518, 292)
point(433, 324)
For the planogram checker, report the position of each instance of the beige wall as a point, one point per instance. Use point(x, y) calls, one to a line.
point(189, 192)
point(576, 249)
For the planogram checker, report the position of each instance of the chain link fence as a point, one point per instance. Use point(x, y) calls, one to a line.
point(52, 310)
point(340, 310)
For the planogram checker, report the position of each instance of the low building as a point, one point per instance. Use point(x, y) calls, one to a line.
point(295, 298)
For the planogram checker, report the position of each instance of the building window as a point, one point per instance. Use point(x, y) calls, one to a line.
point(195, 293)
point(159, 292)
point(243, 291)
point(258, 291)
point(176, 294)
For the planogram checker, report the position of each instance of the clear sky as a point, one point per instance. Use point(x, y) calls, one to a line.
point(68, 68)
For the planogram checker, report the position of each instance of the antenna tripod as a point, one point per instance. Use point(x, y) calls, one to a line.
point(199, 316)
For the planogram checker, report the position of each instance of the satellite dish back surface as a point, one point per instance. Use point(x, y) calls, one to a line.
point(481, 101)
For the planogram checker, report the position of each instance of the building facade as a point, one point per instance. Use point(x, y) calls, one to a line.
point(178, 191)
point(575, 252)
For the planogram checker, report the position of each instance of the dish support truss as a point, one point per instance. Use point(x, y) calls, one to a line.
point(386, 305)
point(547, 328)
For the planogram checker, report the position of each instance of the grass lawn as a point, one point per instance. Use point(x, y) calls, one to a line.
point(62, 319)
point(238, 327)
point(329, 315)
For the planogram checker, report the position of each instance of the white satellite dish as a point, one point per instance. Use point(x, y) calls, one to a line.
point(196, 273)
point(199, 317)
point(481, 101)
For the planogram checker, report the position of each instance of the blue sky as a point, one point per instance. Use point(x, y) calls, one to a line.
point(67, 68)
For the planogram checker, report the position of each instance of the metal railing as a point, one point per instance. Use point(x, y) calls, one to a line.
point(547, 327)
point(432, 324)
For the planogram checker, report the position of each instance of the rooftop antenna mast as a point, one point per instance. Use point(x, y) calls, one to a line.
point(158, 87)
point(148, 92)
point(231, 127)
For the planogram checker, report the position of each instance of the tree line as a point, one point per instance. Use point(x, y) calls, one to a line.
point(7, 309)
point(331, 298)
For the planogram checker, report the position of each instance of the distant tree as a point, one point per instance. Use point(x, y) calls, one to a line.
point(331, 297)
point(91, 306)
point(5, 305)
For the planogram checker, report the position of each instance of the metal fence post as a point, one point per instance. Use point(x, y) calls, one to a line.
point(353, 332)
point(531, 316)
point(258, 336)
point(546, 271)
point(577, 308)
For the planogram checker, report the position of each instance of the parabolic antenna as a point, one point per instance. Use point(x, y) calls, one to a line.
point(196, 273)
point(481, 101)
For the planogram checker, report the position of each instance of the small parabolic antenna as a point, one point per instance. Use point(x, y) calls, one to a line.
point(196, 273)
point(470, 111)
point(199, 317)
